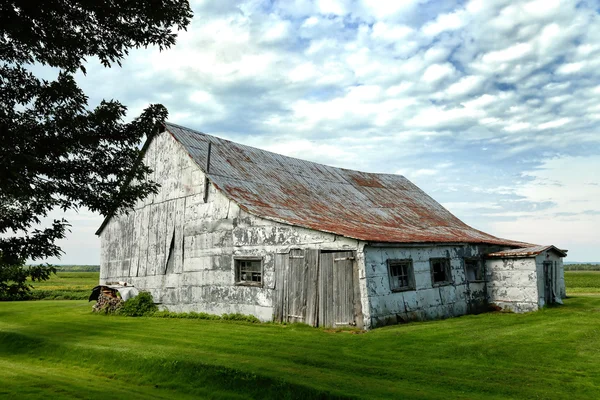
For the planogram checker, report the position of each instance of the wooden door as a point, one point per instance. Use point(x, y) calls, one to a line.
point(296, 287)
point(548, 282)
point(337, 289)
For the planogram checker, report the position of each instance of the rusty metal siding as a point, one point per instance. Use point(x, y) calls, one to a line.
point(354, 204)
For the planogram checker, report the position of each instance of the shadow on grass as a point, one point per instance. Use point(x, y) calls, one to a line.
point(184, 376)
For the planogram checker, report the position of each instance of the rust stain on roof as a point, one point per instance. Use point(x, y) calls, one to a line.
point(359, 205)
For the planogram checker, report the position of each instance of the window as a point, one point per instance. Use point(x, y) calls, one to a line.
point(401, 275)
point(473, 270)
point(248, 272)
point(440, 271)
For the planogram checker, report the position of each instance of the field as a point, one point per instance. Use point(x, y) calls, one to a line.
point(582, 282)
point(66, 286)
point(59, 349)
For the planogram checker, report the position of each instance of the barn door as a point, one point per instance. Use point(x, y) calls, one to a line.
point(336, 289)
point(296, 287)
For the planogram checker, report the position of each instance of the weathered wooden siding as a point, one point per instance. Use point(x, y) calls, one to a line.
point(513, 283)
point(426, 301)
point(206, 236)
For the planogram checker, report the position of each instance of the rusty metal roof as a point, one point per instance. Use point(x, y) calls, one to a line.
point(366, 206)
point(531, 251)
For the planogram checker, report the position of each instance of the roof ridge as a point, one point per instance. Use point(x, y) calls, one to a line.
point(282, 155)
point(347, 203)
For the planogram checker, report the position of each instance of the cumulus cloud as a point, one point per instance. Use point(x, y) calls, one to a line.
point(494, 89)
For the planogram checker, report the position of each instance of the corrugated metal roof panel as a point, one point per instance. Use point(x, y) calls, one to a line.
point(531, 251)
point(360, 205)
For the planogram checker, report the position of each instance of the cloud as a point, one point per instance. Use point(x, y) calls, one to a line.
point(498, 90)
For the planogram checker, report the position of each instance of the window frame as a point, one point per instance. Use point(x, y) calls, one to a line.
point(410, 273)
point(447, 271)
point(479, 268)
point(237, 271)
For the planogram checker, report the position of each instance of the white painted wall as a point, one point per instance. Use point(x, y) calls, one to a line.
point(426, 301)
point(207, 237)
point(513, 283)
point(135, 247)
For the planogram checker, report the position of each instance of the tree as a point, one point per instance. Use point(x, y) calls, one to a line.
point(55, 152)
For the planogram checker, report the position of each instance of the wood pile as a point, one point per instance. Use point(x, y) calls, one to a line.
point(107, 303)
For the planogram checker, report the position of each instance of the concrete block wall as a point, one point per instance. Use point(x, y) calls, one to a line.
point(426, 301)
point(513, 283)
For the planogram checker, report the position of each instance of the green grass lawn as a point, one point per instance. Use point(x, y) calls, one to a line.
point(66, 286)
point(582, 282)
point(59, 349)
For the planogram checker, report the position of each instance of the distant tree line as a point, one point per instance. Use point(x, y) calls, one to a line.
point(582, 267)
point(78, 268)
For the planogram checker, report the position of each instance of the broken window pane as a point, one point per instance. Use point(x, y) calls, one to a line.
point(400, 274)
point(248, 271)
point(440, 270)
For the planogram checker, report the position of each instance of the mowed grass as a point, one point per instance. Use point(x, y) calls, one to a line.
point(582, 282)
point(60, 350)
point(65, 286)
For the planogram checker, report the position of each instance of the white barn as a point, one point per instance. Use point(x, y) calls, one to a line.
point(238, 229)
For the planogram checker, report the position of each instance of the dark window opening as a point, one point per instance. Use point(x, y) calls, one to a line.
point(474, 270)
point(401, 275)
point(248, 272)
point(440, 270)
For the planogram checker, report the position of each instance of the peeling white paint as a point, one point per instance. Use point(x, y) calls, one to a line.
point(207, 236)
point(427, 301)
point(197, 272)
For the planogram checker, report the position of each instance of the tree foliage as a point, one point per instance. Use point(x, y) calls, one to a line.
point(55, 152)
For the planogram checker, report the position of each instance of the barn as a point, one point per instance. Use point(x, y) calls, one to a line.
point(238, 229)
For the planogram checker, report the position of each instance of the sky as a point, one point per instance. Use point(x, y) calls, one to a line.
point(491, 107)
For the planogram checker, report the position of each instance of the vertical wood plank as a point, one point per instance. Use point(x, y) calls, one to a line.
point(326, 289)
point(312, 294)
point(285, 289)
point(179, 223)
point(144, 242)
point(297, 286)
point(135, 243)
point(280, 261)
point(343, 288)
point(161, 239)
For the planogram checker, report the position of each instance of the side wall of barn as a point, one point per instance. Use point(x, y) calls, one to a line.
point(182, 248)
point(428, 300)
point(513, 283)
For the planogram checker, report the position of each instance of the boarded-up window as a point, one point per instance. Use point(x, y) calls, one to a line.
point(248, 272)
point(440, 271)
point(401, 275)
point(473, 269)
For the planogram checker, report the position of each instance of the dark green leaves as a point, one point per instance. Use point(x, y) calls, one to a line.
point(55, 152)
